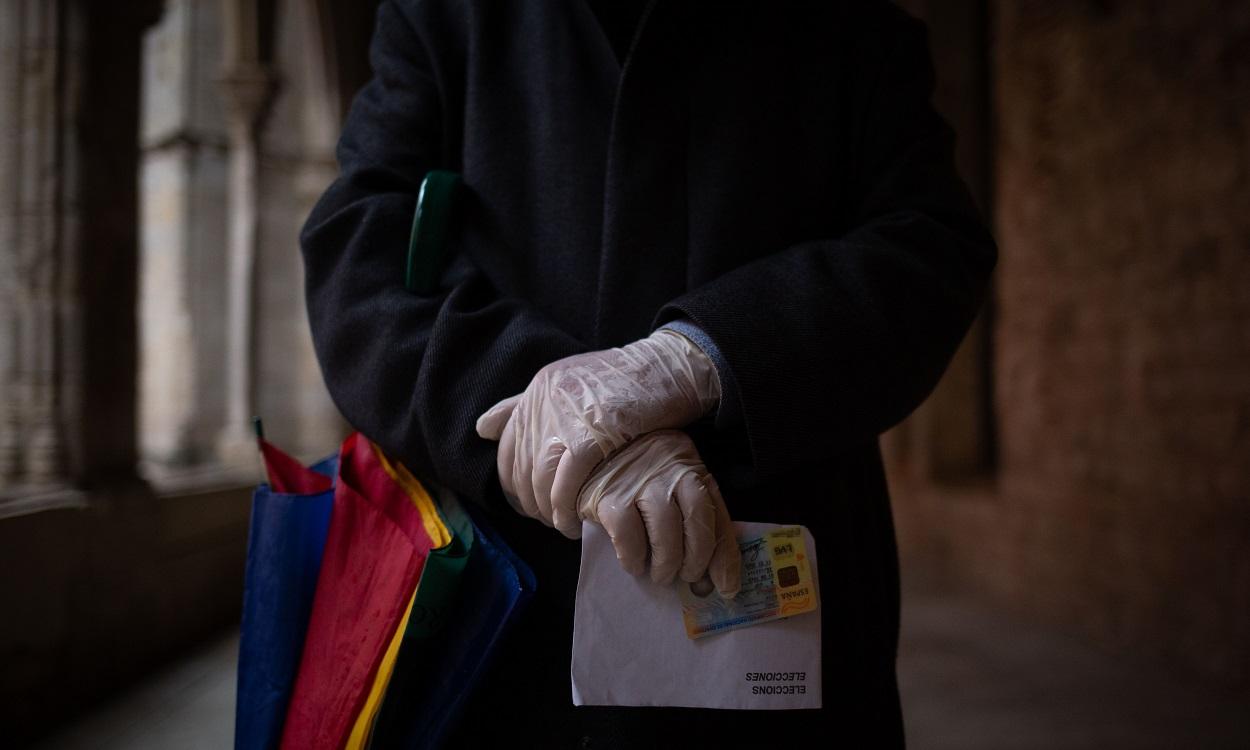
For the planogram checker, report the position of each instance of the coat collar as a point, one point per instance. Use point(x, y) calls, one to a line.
point(643, 250)
point(591, 26)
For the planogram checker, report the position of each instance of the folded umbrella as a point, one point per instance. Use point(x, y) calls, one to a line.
point(437, 670)
point(438, 580)
point(362, 726)
point(376, 548)
point(290, 518)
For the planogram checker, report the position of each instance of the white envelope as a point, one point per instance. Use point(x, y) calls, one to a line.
point(630, 647)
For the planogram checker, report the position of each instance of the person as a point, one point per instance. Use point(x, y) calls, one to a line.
point(727, 239)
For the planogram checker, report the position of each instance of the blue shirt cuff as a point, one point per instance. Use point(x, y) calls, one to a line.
point(729, 408)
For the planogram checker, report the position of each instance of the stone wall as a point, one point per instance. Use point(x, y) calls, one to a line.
point(103, 577)
point(97, 597)
point(117, 324)
point(1120, 506)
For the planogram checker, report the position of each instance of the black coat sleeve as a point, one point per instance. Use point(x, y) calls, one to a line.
point(410, 372)
point(832, 341)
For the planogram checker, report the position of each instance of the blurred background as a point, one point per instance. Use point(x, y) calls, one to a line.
point(1072, 503)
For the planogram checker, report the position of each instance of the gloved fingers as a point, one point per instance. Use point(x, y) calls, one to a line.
point(564, 514)
point(522, 484)
point(545, 465)
point(698, 512)
point(575, 468)
point(628, 533)
point(523, 476)
point(491, 424)
point(662, 519)
point(725, 568)
point(505, 458)
point(527, 452)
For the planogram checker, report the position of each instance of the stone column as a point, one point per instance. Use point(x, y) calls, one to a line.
point(183, 248)
point(247, 87)
point(101, 348)
point(68, 105)
point(35, 220)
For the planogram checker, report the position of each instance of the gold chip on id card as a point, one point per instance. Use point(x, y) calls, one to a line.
point(776, 583)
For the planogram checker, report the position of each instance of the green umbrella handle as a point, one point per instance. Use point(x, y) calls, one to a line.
point(431, 225)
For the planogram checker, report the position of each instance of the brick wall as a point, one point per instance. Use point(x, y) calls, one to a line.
point(1120, 506)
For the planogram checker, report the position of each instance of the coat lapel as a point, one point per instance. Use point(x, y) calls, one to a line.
point(643, 254)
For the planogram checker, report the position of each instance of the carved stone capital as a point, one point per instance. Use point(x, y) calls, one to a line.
point(247, 91)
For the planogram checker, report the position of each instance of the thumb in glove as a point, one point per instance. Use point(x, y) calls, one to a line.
point(657, 500)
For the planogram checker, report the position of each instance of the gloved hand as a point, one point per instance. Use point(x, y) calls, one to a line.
point(579, 410)
point(656, 495)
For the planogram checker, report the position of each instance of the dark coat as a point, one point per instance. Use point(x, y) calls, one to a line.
point(773, 172)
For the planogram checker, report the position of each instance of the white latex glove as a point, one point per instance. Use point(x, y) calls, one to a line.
point(655, 496)
point(579, 410)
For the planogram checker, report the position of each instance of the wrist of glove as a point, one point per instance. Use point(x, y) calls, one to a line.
point(579, 410)
point(663, 510)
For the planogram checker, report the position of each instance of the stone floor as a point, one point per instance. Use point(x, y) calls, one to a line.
point(189, 706)
point(971, 679)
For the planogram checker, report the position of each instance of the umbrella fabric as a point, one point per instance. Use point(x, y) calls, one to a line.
point(436, 672)
point(289, 521)
point(375, 550)
point(286, 475)
point(437, 578)
point(362, 727)
point(445, 565)
point(435, 592)
point(431, 519)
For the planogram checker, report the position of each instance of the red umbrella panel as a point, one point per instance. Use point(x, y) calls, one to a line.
point(375, 550)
